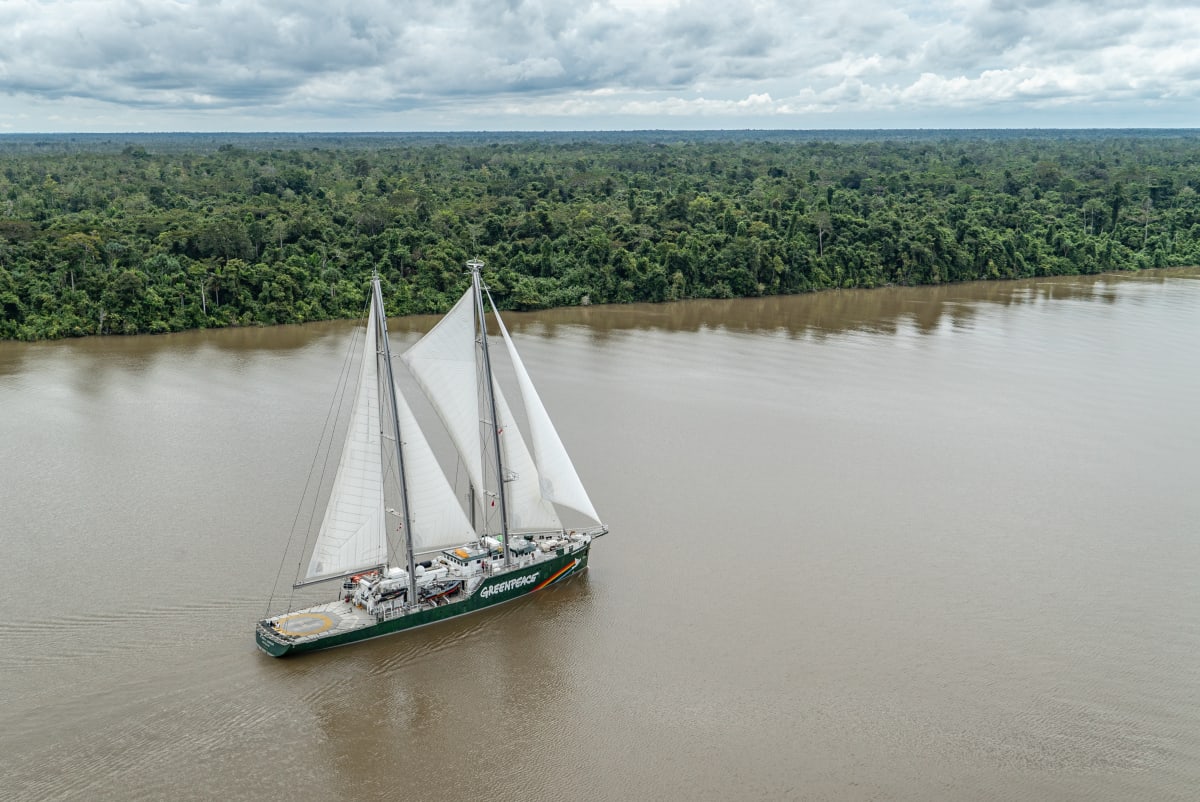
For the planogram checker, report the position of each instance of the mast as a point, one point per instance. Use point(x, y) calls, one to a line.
point(471, 503)
point(475, 267)
point(381, 321)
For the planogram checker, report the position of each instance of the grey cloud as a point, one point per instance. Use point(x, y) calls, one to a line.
point(421, 48)
point(686, 56)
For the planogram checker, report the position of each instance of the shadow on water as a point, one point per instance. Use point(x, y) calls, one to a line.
point(883, 310)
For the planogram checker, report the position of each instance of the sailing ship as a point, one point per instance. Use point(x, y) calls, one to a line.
point(443, 564)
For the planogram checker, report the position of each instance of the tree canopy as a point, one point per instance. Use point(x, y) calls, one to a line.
point(153, 234)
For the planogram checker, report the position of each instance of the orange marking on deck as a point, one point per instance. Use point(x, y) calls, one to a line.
point(308, 623)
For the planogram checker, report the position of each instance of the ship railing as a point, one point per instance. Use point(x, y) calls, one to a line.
point(275, 635)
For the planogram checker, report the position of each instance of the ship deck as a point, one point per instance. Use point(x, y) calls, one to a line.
point(325, 620)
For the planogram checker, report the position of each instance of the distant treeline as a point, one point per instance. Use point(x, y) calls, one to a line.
point(153, 233)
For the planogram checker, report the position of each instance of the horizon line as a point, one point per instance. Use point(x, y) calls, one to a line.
point(535, 132)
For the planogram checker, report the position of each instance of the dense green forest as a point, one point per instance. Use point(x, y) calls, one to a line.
point(154, 233)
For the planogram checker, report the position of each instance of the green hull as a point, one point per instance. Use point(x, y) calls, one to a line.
point(493, 591)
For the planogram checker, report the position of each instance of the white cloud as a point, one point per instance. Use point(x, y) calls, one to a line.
point(376, 64)
point(676, 106)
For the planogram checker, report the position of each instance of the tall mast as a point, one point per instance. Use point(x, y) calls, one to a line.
point(381, 321)
point(475, 266)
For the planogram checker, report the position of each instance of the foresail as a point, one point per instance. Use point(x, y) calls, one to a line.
point(435, 514)
point(559, 481)
point(443, 364)
point(527, 510)
point(354, 533)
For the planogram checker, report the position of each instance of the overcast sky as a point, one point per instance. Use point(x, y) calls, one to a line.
point(452, 65)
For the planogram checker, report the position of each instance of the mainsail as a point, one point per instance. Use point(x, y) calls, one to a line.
point(435, 514)
point(443, 364)
point(353, 533)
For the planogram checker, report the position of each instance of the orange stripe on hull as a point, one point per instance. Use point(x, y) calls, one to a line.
point(559, 573)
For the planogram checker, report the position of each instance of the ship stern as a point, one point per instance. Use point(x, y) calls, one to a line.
point(270, 641)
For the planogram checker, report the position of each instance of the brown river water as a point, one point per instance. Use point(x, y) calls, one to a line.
point(913, 544)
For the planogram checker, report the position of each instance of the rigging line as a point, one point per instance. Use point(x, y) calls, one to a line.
point(327, 431)
point(382, 332)
point(493, 411)
point(339, 394)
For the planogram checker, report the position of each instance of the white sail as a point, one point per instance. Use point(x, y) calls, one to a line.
point(559, 481)
point(527, 510)
point(354, 533)
point(435, 514)
point(443, 363)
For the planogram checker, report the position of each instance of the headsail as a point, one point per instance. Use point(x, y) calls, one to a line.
point(559, 482)
point(353, 533)
point(527, 510)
